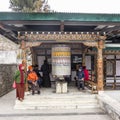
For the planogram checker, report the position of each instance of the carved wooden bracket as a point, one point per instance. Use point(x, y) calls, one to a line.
point(32, 44)
point(25, 45)
point(101, 44)
point(91, 44)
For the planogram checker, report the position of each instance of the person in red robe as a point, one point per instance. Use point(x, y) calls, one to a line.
point(19, 78)
point(86, 73)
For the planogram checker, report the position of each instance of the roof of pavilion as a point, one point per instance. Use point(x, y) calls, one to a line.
point(12, 22)
point(90, 17)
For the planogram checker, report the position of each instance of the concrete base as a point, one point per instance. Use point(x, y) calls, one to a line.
point(58, 87)
point(61, 87)
point(64, 87)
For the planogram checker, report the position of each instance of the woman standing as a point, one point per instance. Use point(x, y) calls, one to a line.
point(20, 81)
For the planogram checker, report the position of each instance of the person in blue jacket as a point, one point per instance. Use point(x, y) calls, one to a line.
point(80, 76)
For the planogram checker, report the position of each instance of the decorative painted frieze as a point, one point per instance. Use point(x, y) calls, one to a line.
point(61, 36)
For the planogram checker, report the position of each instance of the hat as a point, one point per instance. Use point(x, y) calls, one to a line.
point(30, 67)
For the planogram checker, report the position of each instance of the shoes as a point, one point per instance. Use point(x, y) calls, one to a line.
point(21, 99)
point(38, 92)
point(32, 92)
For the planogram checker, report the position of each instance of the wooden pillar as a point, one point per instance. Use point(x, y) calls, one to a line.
point(62, 26)
point(33, 57)
point(83, 55)
point(100, 65)
point(83, 59)
point(23, 46)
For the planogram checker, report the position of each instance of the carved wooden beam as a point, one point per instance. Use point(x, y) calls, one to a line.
point(61, 36)
point(113, 52)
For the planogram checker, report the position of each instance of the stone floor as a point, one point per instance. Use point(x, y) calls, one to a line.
point(8, 112)
point(113, 94)
point(110, 102)
point(48, 99)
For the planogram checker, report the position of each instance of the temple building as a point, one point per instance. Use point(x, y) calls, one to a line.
point(91, 40)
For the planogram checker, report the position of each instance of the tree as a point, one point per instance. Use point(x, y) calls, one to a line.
point(29, 5)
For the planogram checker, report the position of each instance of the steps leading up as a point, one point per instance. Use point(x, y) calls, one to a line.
point(71, 100)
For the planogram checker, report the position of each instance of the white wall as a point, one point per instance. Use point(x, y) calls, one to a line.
point(8, 57)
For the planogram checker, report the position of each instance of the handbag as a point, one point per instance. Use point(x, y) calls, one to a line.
point(14, 85)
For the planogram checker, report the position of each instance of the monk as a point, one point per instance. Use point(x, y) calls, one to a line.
point(45, 69)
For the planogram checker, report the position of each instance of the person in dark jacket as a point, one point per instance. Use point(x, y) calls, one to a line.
point(45, 69)
point(80, 75)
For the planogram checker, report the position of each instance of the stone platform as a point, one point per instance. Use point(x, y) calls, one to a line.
point(48, 99)
point(109, 101)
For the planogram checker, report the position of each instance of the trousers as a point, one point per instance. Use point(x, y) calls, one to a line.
point(80, 84)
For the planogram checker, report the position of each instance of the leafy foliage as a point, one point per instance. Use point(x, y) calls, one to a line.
point(29, 5)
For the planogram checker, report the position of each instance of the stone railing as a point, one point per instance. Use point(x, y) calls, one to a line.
point(6, 77)
point(109, 105)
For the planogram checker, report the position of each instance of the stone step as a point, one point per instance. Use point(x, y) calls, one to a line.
point(44, 100)
point(58, 99)
point(33, 107)
point(60, 96)
point(58, 102)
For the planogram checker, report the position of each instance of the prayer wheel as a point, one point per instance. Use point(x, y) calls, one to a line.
point(61, 60)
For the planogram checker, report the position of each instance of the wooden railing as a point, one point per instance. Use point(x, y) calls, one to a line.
point(113, 81)
point(92, 85)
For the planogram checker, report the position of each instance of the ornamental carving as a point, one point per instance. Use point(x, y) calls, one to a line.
point(101, 44)
point(25, 45)
point(32, 44)
point(91, 44)
point(62, 36)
